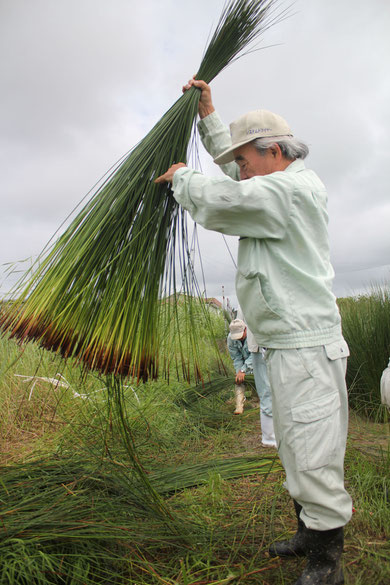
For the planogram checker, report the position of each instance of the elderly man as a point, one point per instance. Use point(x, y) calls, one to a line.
point(277, 207)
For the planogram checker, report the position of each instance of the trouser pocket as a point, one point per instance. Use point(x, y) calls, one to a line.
point(316, 431)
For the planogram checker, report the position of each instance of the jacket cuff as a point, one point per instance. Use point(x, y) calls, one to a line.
point(209, 124)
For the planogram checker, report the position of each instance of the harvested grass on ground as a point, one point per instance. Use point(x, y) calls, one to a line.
point(88, 524)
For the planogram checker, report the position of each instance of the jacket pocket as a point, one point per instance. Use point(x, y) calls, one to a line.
point(316, 431)
point(337, 350)
point(250, 290)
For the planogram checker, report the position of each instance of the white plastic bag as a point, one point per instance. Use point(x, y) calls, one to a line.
point(385, 386)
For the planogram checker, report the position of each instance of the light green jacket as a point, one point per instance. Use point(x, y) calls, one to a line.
point(284, 275)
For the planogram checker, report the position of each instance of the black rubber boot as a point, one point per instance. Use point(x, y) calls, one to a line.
point(294, 547)
point(323, 550)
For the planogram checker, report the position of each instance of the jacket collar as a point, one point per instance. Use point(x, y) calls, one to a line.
point(295, 166)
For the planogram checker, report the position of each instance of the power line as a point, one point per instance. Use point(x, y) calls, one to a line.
point(231, 255)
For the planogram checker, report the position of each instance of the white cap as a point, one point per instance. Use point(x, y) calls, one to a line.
point(256, 124)
point(237, 328)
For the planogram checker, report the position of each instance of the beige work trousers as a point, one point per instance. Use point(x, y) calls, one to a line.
point(310, 413)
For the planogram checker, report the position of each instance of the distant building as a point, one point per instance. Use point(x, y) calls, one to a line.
point(214, 304)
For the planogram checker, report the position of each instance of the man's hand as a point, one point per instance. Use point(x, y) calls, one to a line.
point(205, 103)
point(168, 176)
point(240, 377)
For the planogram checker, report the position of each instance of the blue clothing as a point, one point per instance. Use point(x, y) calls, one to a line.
point(240, 354)
point(262, 383)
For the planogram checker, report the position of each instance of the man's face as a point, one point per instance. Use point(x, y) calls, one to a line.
point(243, 336)
point(254, 164)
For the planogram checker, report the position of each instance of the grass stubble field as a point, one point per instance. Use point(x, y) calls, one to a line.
point(220, 498)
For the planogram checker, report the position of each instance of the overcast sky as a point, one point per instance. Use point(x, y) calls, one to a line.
point(84, 80)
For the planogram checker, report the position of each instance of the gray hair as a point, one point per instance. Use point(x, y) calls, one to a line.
point(291, 147)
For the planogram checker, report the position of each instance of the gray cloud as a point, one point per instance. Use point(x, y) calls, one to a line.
point(85, 80)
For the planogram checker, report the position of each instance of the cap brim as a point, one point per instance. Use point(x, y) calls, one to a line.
point(236, 336)
point(227, 155)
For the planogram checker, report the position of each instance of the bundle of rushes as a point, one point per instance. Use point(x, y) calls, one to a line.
point(98, 293)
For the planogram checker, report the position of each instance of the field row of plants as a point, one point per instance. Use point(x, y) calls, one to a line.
point(366, 327)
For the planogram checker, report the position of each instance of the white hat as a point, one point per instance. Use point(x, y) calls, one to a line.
point(237, 328)
point(256, 124)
